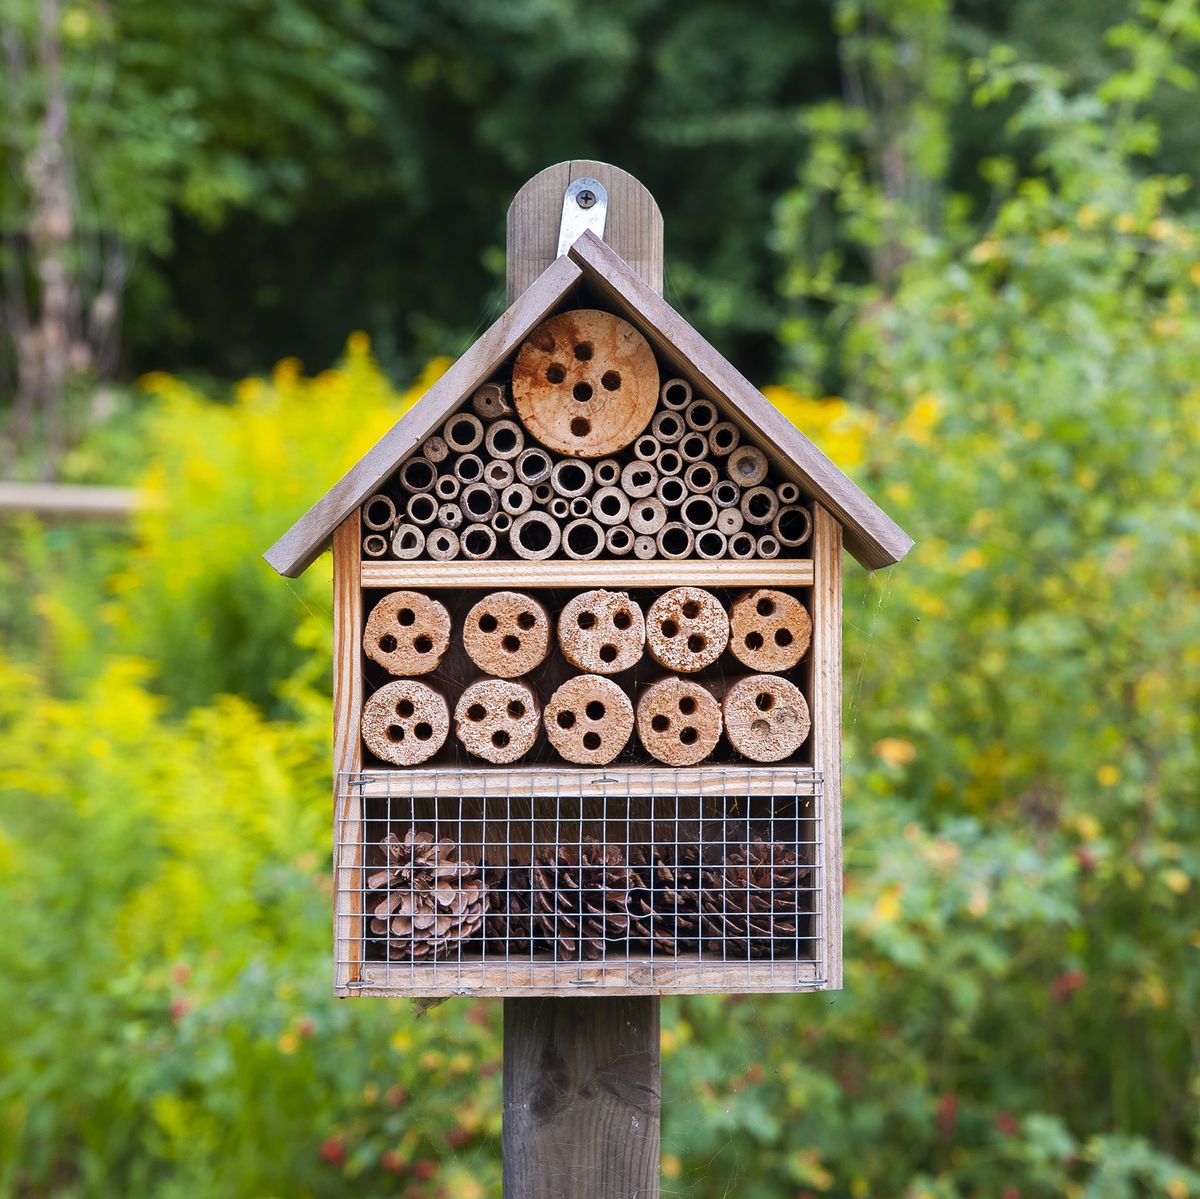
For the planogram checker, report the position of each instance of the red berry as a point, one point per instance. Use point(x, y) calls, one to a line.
point(1008, 1124)
point(425, 1170)
point(947, 1114)
point(392, 1161)
point(180, 1008)
point(755, 1073)
point(395, 1096)
point(181, 974)
point(306, 1026)
point(333, 1150)
point(1085, 859)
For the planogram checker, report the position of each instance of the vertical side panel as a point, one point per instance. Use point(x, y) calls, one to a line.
point(347, 752)
point(827, 722)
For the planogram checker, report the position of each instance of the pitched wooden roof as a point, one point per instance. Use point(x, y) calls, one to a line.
point(871, 535)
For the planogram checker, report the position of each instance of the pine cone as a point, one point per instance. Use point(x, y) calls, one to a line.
point(676, 898)
point(587, 897)
point(751, 901)
point(509, 928)
point(431, 903)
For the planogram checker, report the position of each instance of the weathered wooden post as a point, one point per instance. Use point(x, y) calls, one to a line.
point(587, 686)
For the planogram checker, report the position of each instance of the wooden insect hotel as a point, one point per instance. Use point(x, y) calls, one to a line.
point(587, 652)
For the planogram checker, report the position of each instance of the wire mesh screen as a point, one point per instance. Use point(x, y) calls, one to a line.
point(481, 881)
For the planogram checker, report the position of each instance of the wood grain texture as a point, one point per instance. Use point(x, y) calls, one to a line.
point(827, 723)
point(872, 536)
point(297, 548)
point(347, 748)
point(634, 225)
point(581, 1098)
point(64, 499)
point(500, 573)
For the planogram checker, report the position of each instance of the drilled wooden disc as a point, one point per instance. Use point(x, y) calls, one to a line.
point(585, 383)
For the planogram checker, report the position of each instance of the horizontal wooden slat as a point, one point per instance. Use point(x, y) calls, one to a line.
point(64, 499)
point(776, 572)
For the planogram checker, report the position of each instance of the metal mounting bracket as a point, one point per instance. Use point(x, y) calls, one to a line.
point(585, 206)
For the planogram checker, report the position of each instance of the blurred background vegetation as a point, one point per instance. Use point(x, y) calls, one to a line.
point(960, 246)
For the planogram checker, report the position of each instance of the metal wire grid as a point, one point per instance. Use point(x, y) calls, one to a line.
point(584, 874)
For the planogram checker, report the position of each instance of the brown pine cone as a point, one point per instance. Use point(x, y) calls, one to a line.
point(750, 901)
point(508, 929)
point(676, 898)
point(588, 897)
point(430, 903)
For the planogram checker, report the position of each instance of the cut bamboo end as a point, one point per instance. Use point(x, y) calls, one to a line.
point(723, 438)
point(767, 546)
point(671, 491)
point(507, 634)
point(701, 415)
point(543, 493)
point(766, 718)
point(516, 498)
point(602, 632)
point(619, 541)
point(583, 539)
point(559, 508)
point(442, 545)
point(478, 502)
point(747, 466)
point(769, 630)
point(498, 474)
point(504, 439)
point(700, 478)
point(698, 512)
point(450, 516)
point(668, 427)
point(669, 461)
point(478, 541)
point(463, 432)
point(726, 494)
point(646, 448)
point(742, 545)
point(408, 542)
point(571, 477)
point(580, 506)
point(686, 629)
point(788, 492)
point(730, 521)
point(639, 479)
point(489, 402)
point(610, 506)
point(534, 466)
point(422, 509)
point(678, 722)
point(589, 720)
point(792, 526)
point(375, 545)
point(405, 722)
point(418, 474)
point(435, 449)
point(693, 447)
point(501, 523)
point(675, 540)
point(759, 506)
point(645, 548)
point(447, 487)
point(585, 383)
point(407, 633)
point(534, 536)
point(497, 720)
point(607, 472)
point(711, 544)
point(676, 394)
point(468, 468)
point(379, 513)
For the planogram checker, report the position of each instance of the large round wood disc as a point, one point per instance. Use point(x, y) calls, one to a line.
point(585, 383)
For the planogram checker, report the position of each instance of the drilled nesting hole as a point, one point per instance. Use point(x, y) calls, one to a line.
point(583, 351)
point(610, 381)
point(487, 623)
point(511, 644)
point(387, 643)
point(555, 373)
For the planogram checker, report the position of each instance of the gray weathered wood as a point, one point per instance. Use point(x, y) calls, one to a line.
point(871, 535)
point(64, 499)
point(297, 548)
point(581, 1098)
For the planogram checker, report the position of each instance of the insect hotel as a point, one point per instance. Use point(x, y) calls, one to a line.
point(587, 657)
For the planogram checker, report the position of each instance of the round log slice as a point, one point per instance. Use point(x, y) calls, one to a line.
point(686, 629)
point(507, 634)
point(405, 722)
point(497, 719)
point(589, 720)
point(585, 383)
point(678, 721)
point(769, 630)
point(602, 632)
point(407, 633)
point(766, 718)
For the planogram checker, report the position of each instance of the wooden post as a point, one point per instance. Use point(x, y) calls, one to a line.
point(581, 1076)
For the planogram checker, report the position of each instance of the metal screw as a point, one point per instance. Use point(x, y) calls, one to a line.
point(585, 199)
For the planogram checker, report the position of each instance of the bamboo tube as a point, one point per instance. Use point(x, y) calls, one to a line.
point(646, 448)
point(675, 540)
point(463, 432)
point(610, 506)
point(767, 546)
point(418, 474)
point(700, 478)
point(580, 506)
point(647, 516)
point(676, 394)
point(468, 468)
point(723, 438)
point(533, 466)
point(405, 722)
point(668, 427)
point(766, 718)
point(645, 547)
point(678, 721)
point(447, 487)
point(543, 493)
point(792, 526)
point(489, 402)
point(700, 415)
point(479, 502)
point(730, 521)
point(742, 545)
point(726, 494)
point(442, 545)
point(672, 491)
point(478, 542)
point(571, 477)
point(639, 479)
point(379, 513)
point(589, 720)
point(498, 474)
point(450, 516)
point(787, 493)
point(501, 522)
point(686, 629)
point(693, 447)
point(375, 545)
point(698, 512)
point(602, 632)
point(507, 634)
point(497, 720)
point(408, 542)
point(711, 543)
point(504, 439)
point(583, 539)
point(516, 498)
point(422, 509)
point(534, 536)
point(607, 472)
point(759, 505)
point(407, 633)
point(769, 630)
point(619, 540)
point(559, 508)
point(747, 466)
point(668, 462)
point(435, 450)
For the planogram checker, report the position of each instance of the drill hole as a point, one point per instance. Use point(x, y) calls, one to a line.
point(405, 617)
point(583, 351)
point(395, 733)
point(765, 607)
point(580, 427)
point(476, 712)
point(404, 708)
point(387, 643)
point(622, 620)
point(488, 623)
point(608, 653)
point(610, 381)
point(754, 641)
point(595, 710)
point(764, 701)
point(783, 638)
point(526, 620)
point(423, 731)
point(586, 620)
point(670, 628)
point(511, 644)
point(582, 392)
point(565, 720)
point(696, 643)
point(591, 740)
point(660, 724)
point(688, 735)
point(687, 705)
point(499, 738)
point(555, 373)
point(691, 609)
point(423, 644)
point(516, 709)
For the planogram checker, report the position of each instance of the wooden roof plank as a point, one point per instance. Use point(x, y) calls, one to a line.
point(305, 540)
point(871, 535)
